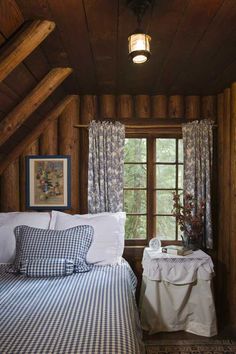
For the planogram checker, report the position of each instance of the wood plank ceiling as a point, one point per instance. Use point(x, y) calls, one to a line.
point(193, 49)
point(193, 44)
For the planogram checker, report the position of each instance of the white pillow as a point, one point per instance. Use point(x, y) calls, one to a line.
point(8, 222)
point(109, 230)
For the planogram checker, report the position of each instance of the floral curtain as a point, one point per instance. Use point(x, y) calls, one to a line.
point(198, 157)
point(106, 166)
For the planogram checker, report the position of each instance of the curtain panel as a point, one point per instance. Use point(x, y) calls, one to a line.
point(106, 167)
point(198, 158)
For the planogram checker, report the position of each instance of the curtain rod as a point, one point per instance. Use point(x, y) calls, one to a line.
point(142, 126)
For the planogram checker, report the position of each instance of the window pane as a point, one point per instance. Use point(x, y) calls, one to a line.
point(135, 150)
point(180, 150)
point(180, 176)
point(165, 226)
point(165, 150)
point(135, 176)
point(165, 176)
point(135, 227)
point(180, 233)
point(164, 202)
point(135, 201)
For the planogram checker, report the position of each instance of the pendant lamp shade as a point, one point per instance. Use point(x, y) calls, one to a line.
point(139, 47)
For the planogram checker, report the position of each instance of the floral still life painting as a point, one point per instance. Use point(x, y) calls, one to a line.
point(48, 180)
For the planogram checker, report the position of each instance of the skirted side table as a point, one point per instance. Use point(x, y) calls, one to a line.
point(176, 293)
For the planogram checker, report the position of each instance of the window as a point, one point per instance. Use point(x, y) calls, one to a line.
point(135, 188)
point(153, 171)
point(169, 179)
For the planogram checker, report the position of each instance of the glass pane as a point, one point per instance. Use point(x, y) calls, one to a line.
point(135, 176)
point(135, 150)
point(165, 150)
point(164, 202)
point(135, 201)
point(180, 176)
point(135, 227)
point(180, 150)
point(165, 226)
point(179, 234)
point(165, 176)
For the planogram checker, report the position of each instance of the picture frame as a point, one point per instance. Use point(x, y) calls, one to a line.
point(48, 182)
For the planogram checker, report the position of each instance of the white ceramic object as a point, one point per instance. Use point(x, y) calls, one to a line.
point(155, 243)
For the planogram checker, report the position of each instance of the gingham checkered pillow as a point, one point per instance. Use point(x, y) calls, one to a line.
point(74, 243)
point(47, 267)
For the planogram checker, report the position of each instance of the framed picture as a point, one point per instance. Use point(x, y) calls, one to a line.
point(48, 182)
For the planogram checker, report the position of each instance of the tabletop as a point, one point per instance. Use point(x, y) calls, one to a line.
point(177, 269)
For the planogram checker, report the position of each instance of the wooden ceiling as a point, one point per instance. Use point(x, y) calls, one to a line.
point(193, 45)
point(193, 53)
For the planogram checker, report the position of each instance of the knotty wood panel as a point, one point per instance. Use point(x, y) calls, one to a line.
point(232, 247)
point(194, 76)
point(10, 190)
point(176, 106)
point(48, 140)
point(159, 106)
point(103, 39)
point(69, 145)
point(32, 149)
point(184, 40)
point(107, 106)
point(192, 107)
point(125, 106)
point(226, 279)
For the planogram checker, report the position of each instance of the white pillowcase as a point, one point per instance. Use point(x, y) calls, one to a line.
point(109, 230)
point(8, 222)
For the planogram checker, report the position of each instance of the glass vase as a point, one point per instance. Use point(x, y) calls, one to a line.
point(191, 242)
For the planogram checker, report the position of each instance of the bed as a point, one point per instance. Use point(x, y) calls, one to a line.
point(93, 312)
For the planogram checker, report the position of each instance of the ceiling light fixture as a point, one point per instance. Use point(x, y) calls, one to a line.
point(139, 41)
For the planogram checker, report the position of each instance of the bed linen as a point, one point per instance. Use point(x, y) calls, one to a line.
point(92, 313)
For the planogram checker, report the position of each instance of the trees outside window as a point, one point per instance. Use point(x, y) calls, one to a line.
point(153, 171)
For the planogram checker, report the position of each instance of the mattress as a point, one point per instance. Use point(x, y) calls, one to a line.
point(92, 312)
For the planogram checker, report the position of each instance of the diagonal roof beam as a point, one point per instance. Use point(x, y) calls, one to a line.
point(31, 102)
point(22, 44)
point(36, 132)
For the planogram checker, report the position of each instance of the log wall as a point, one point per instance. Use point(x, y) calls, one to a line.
point(62, 138)
point(226, 247)
point(13, 179)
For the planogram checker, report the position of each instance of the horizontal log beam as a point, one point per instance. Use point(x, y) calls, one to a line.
point(150, 126)
point(14, 52)
point(31, 102)
point(38, 130)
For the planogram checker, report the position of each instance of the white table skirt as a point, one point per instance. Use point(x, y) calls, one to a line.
point(187, 306)
point(177, 269)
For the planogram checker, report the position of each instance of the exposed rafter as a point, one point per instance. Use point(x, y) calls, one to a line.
point(14, 52)
point(31, 102)
point(36, 132)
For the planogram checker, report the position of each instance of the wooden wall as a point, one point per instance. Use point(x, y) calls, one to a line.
point(226, 144)
point(62, 138)
point(12, 183)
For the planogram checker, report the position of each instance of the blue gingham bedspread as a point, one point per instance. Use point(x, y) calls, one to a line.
point(92, 313)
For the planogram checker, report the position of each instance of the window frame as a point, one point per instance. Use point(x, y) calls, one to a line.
point(151, 177)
